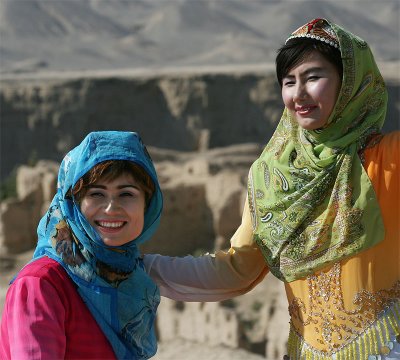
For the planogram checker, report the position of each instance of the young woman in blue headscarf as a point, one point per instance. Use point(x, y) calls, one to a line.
point(85, 294)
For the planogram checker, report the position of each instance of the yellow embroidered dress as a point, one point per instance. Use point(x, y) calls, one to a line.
point(341, 263)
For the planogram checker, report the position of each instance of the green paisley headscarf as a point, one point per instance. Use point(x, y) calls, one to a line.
point(311, 201)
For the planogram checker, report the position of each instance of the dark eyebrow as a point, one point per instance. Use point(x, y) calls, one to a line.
point(128, 186)
point(313, 69)
point(96, 186)
point(307, 72)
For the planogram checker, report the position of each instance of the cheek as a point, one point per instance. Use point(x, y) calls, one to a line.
point(139, 213)
point(328, 101)
point(86, 209)
point(327, 95)
point(135, 209)
point(287, 98)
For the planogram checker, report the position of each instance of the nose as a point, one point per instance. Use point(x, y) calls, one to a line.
point(300, 92)
point(111, 206)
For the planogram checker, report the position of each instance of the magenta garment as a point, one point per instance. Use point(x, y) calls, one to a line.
point(44, 317)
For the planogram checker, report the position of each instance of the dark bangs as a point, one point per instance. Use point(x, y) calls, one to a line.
point(296, 50)
point(109, 171)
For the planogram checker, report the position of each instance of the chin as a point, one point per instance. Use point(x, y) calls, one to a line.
point(312, 125)
point(114, 242)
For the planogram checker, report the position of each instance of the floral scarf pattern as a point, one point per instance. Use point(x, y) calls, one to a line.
point(311, 201)
point(111, 280)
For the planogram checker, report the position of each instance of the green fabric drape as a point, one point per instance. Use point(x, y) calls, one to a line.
point(311, 200)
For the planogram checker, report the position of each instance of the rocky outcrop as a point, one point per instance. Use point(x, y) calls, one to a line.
point(203, 198)
point(20, 216)
point(43, 118)
point(257, 321)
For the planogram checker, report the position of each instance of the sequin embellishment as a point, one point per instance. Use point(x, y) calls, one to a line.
point(371, 328)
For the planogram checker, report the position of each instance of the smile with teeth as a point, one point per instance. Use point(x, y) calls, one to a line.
point(111, 224)
point(304, 110)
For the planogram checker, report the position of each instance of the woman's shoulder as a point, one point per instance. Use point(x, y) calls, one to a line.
point(384, 148)
point(391, 140)
point(44, 268)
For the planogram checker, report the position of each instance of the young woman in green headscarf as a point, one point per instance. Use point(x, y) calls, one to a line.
point(323, 207)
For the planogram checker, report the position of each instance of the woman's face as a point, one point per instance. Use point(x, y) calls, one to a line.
point(115, 209)
point(310, 91)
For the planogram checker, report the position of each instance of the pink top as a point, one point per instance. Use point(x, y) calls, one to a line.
point(44, 317)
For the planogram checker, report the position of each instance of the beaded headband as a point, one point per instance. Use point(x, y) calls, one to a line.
point(318, 29)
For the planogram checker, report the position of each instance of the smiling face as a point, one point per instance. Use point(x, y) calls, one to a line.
point(310, 90)
point(115, 209)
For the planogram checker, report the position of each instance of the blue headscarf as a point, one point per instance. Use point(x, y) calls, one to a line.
point(111, 280)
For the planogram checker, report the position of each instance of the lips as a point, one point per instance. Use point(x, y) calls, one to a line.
point(305, 109)
point(110, 226)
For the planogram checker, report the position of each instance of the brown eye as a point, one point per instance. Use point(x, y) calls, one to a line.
point(288, 83)
point(94, 194)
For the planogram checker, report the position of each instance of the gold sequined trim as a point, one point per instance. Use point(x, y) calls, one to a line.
point(377, 339)
point(334, 325)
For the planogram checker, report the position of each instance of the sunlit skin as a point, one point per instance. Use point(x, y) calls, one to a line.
point(310, 91)
point(115, 209)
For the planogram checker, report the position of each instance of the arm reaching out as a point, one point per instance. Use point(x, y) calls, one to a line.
point(211, 277)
